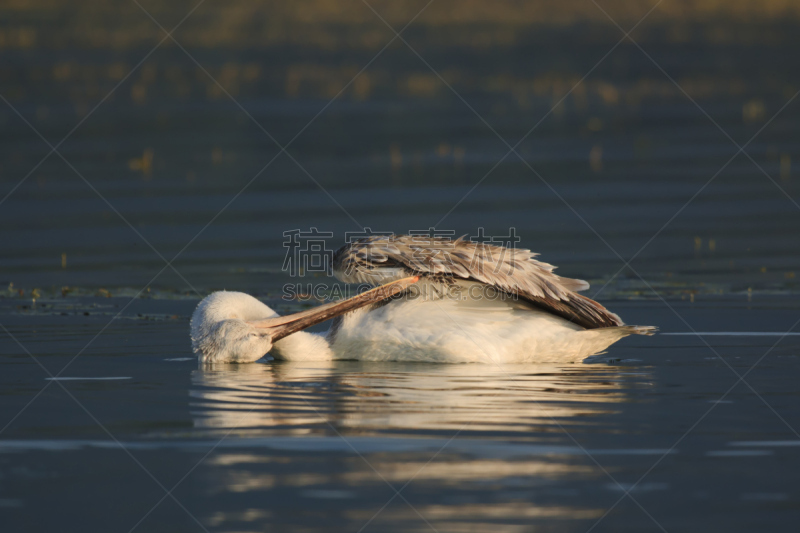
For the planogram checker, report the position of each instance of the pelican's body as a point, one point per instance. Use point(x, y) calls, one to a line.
point(446, 329)
point(456, 313)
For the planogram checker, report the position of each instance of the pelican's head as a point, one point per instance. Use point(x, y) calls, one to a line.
point(223, 330)
point(234, 327)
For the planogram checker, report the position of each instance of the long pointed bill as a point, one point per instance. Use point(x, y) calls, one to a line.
point(281, 326)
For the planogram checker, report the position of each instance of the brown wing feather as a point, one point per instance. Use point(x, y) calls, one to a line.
point(379, 259)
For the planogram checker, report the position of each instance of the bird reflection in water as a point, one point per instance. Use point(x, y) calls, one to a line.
point(295, 398)
point(421, 406)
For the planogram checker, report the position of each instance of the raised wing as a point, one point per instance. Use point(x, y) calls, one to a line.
point(379, 259)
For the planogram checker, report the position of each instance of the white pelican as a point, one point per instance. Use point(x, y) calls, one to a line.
point(437, 300)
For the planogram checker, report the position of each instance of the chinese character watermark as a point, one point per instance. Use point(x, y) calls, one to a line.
point(307, 252)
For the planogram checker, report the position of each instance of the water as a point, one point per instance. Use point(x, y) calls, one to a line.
point(323, 446)
point(108, 424)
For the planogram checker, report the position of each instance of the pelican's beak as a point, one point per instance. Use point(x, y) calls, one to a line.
point(282, 326)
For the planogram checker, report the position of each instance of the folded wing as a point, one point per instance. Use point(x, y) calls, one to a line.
point(379, 259)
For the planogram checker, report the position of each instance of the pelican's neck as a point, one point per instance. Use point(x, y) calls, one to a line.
point(302, 346)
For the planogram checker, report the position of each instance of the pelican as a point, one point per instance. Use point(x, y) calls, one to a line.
point(435, 300)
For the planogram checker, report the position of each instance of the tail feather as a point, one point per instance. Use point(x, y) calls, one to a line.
point(638, 330)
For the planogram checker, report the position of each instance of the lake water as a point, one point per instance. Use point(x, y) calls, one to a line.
point(658, 434)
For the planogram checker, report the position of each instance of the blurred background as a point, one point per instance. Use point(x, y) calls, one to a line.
point(170, 147)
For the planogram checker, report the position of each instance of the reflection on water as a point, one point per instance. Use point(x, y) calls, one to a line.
point(315, 446)
point(459, 491)
point(487, 428)
point(303, 398)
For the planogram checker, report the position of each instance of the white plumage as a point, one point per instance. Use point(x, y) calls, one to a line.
point(447, 329)
point(473, 304)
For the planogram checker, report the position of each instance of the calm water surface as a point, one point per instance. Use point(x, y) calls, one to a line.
point(324, 446)
point(658, 434)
